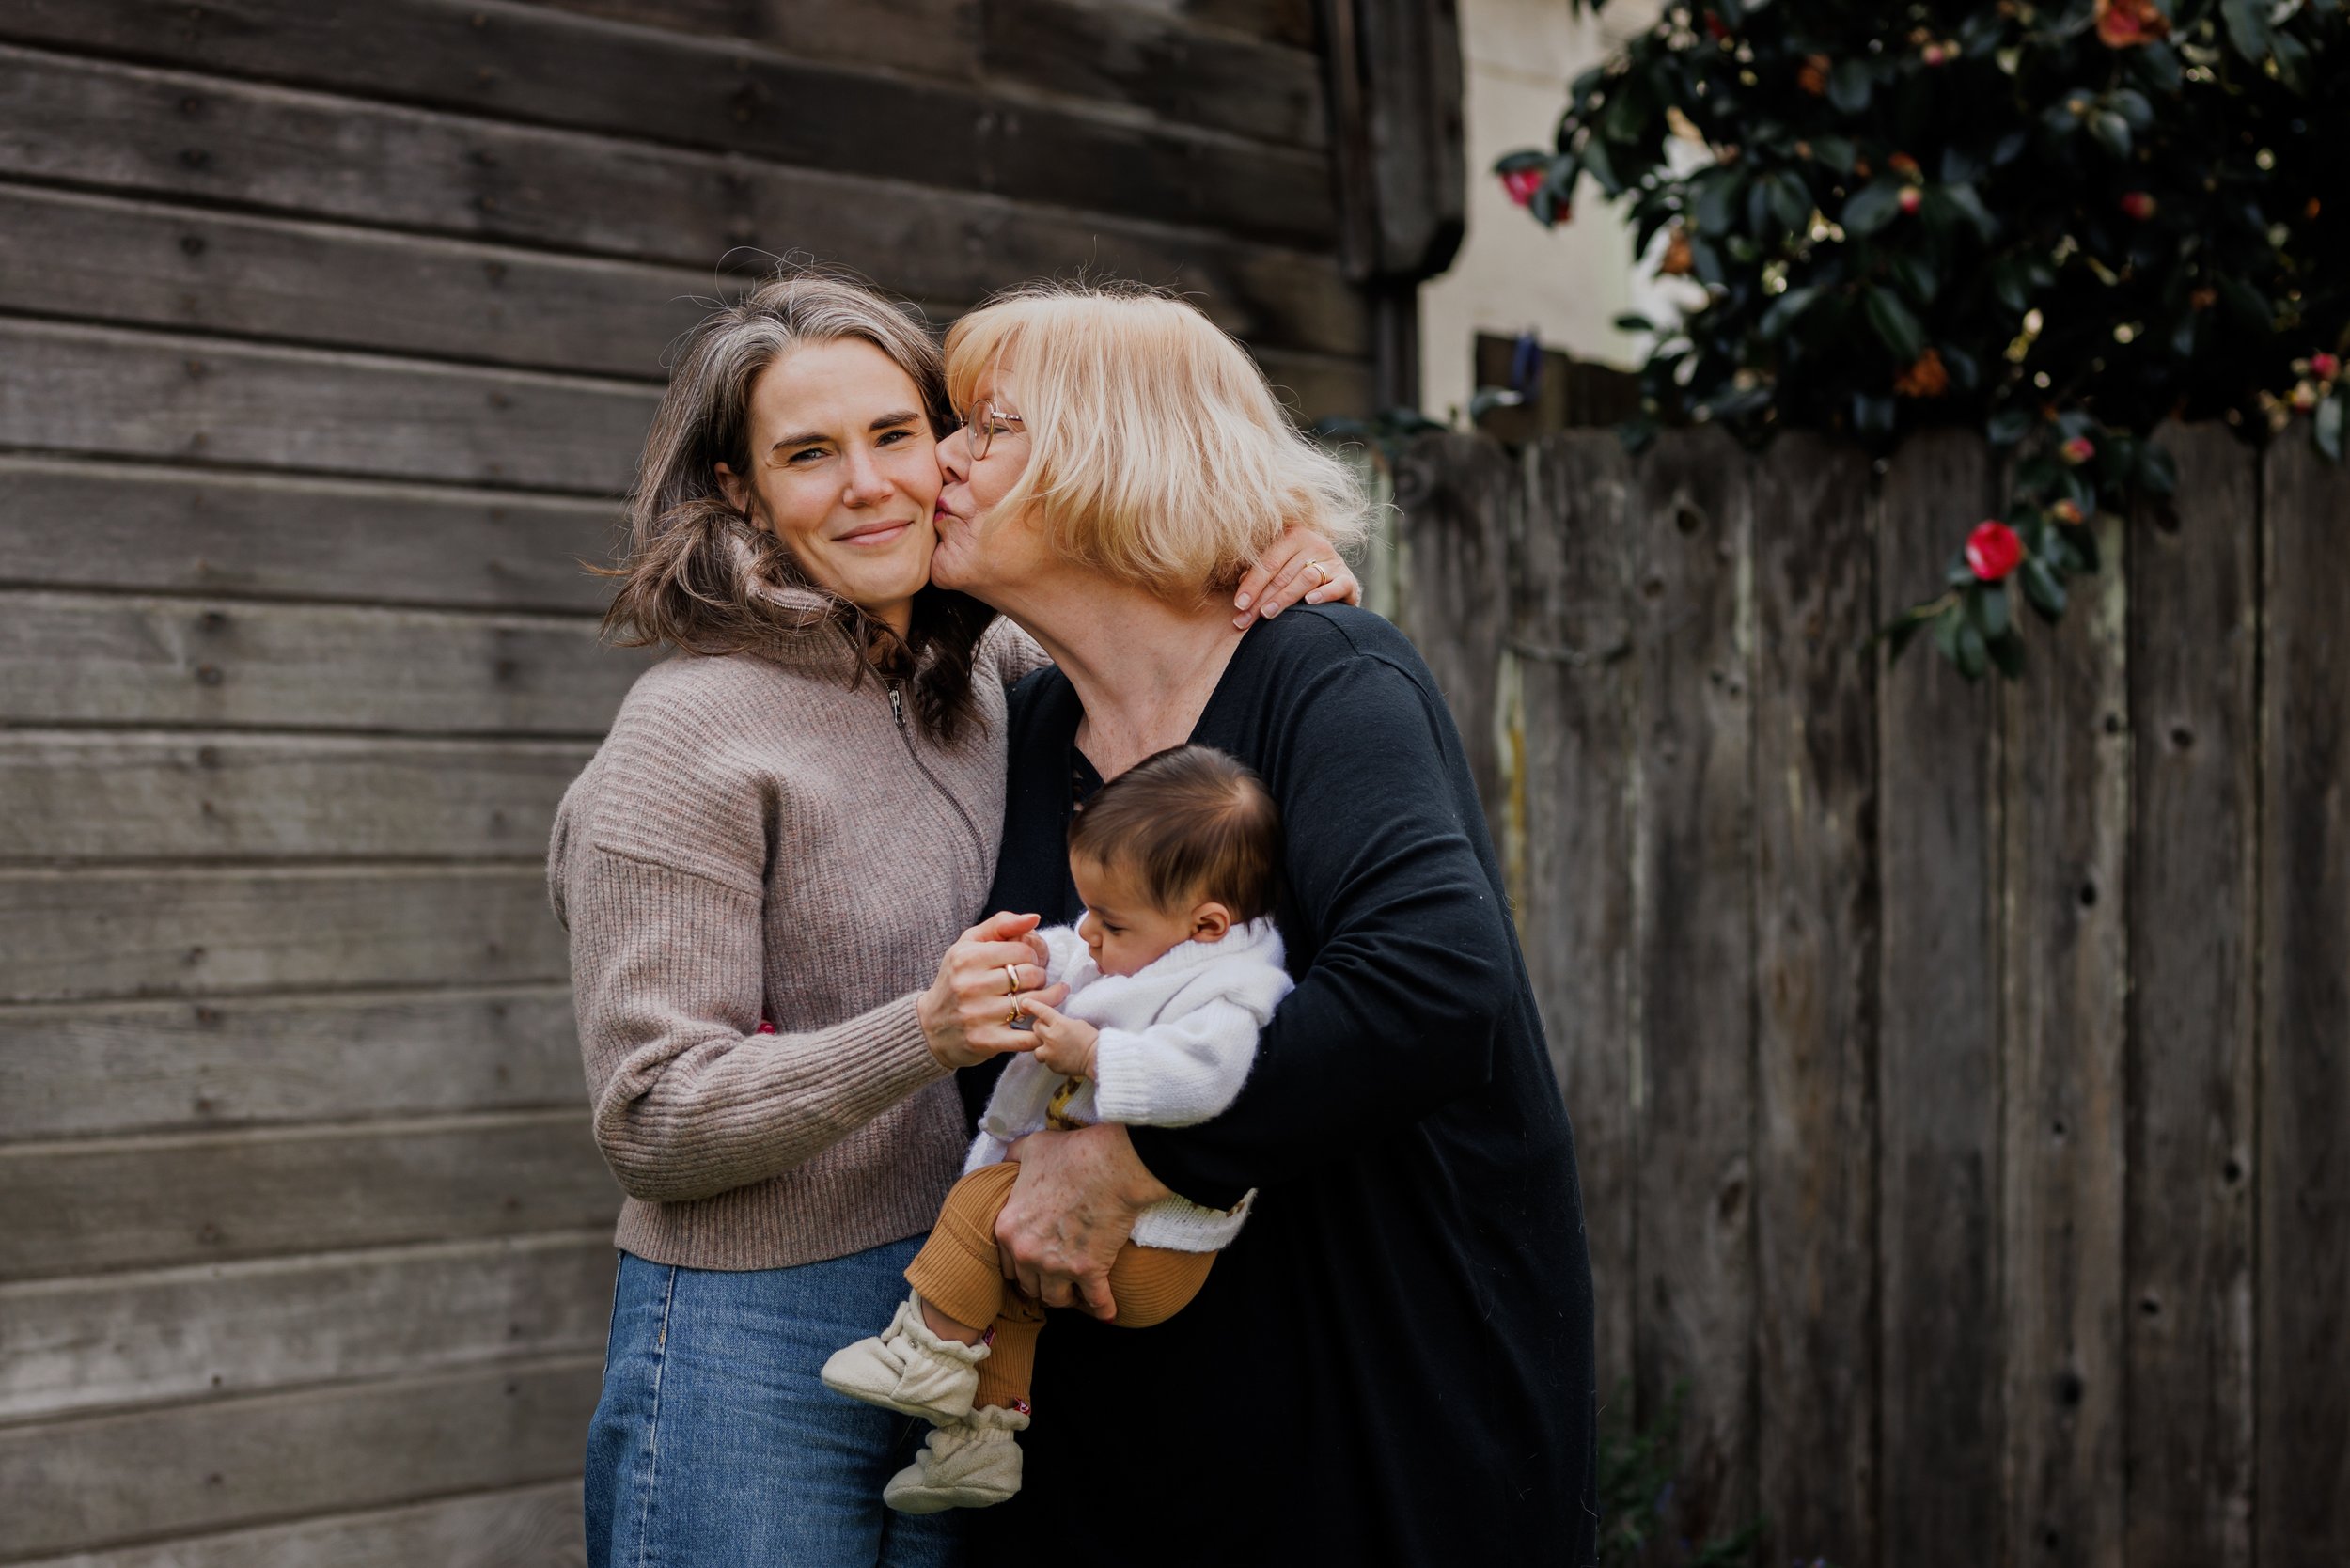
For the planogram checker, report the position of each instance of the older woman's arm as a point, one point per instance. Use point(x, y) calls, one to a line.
point(1396, 1015)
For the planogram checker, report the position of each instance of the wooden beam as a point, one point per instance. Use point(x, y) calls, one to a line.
point(95, 659)
point(84, 1205)
point(1940, 1344)
point(106, 392)
point(138, 931)
point(1693, 921)
point(99, 1482)
point(79, 1069)
point(525, 63)
point(2194, 857)
point(2064, 971)
point(76, 523)
point(222, 1330)
point(1816, 926)
point(2303, 1175)
point(537, 1525)
point(128, 129)
point(77, 795)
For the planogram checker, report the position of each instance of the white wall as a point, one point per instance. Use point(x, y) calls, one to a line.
point(1566, 283)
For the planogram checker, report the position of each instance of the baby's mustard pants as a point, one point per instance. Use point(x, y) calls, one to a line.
point(959, 1272)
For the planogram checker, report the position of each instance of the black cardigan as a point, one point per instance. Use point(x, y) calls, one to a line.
point(1393, 1363)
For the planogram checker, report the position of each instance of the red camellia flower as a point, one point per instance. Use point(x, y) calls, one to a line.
point(2079, 449)
point(2324, 366)
point(1992, 550)
point(2138, 204)
point(1522, 183)
point(2126, 23)
point(1911, 198)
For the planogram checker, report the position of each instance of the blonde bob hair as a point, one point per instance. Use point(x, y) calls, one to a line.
point(696, 573)
point(1157, 453)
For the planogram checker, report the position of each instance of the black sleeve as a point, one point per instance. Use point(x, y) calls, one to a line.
point(1398, 1010)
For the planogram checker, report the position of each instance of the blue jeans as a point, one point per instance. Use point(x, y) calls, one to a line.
point(715, 1445)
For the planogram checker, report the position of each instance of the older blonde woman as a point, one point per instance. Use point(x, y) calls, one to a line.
point(1393, 1364)
point(788, 824)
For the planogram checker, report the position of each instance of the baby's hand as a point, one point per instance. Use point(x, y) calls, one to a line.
point(1062, 1043)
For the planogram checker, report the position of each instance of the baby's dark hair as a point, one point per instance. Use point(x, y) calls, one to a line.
point(1191, 823)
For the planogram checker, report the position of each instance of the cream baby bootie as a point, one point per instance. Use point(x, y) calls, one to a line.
point(967, 1464)
point(908, 1369)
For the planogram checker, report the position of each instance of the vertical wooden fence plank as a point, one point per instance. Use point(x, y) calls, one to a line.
point(1571, 604)
point(1815, 935)
point(2194, 574)
point(1694, 926)
point(1455, 492)
point(2064, 966)
point(2304, 1074)
point(1937, 1051)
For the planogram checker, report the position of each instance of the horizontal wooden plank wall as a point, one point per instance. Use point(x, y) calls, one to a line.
point(1958, 1070)
point(327, 339)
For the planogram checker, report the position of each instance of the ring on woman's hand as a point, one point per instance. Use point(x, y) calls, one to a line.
point(1011, 977)
point(1321, 572)
point(1011, 1019)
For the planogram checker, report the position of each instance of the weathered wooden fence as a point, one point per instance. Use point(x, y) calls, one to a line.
point(1961, 1073)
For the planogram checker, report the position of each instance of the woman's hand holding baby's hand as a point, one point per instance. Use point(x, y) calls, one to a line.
point(967, 1012)
point(1063, 1043)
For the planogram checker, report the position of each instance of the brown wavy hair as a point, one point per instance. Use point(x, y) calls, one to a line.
point(698, 575)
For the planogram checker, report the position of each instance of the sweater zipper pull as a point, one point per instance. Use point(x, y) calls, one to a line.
point(897, 706)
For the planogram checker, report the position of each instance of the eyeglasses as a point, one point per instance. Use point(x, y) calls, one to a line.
point(985, 418)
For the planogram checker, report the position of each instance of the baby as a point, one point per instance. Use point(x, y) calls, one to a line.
point(1172, 970)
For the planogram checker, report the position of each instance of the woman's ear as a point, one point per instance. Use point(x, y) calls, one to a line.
point(1209, 921)
point(730, 485)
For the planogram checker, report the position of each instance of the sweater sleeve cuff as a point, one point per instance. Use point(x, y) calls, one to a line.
point(1164, 1153)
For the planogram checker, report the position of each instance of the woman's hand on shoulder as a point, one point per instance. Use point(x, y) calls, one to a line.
point(1302, 566)
point(967, 1013)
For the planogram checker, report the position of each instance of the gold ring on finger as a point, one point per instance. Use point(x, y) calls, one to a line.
point(1011, 977)
point(1320, 573)
point(1011, 1019)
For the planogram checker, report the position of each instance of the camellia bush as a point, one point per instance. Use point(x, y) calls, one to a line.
point(2060, 223)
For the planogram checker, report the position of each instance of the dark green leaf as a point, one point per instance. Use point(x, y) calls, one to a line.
point(1625, 118)
point(1964, 374)
point(1601, 163)
point(1835, 151)
point(2040, 588)
point(2158, 63)
point(1634, 321)
point(2326, 428)
point(2247, 29)
point(1717, 203)
point(2111, 131)
point(1989, 604)
point(1790, 202)
point(2084, 543)
point(1783, 311)
point(2292, 60)
point(1895, 326)
point(1960, 164)
point(1915, 275)
point(2007, 282)
point(1708, 262)
point(1963, 197)
point(2008, 426)
point(1973, 657)
point(2132, 106)
point(1946, 627)
point(1871, 207)
point(2010, 147)
point(1849, 84)
point(1871, 417)
point(2008, 654)
point(1525, 158)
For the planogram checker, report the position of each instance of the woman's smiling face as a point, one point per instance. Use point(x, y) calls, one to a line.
point(844, 471)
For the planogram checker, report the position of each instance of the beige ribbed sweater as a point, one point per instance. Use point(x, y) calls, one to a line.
point(757, 836)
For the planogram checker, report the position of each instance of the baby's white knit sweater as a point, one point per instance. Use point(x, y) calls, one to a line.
point(1178, 1037)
